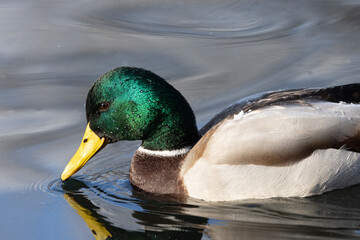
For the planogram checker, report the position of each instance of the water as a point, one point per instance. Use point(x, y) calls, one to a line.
point(215, 52)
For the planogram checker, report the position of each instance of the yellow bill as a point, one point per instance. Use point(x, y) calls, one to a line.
point(89, 146)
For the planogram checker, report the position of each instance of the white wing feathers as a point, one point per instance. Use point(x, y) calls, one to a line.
point(278, 135)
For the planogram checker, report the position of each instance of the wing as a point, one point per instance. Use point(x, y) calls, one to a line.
point(281, 128)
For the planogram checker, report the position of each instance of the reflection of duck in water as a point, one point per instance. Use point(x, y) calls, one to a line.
point(279, 144)
point(98, 229)
point(164, 217)
point(160, 220)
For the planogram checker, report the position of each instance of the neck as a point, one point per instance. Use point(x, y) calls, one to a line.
point(158, 171)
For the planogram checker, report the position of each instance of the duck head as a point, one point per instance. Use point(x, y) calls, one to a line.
point(134, 104)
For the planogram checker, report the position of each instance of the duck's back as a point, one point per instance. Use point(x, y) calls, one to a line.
point(281, 144)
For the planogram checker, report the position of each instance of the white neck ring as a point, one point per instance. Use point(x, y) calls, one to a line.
point(165, 153)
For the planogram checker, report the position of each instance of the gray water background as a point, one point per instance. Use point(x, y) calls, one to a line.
point(215, 52)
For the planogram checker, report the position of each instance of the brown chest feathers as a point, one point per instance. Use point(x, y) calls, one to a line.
point(157, 174)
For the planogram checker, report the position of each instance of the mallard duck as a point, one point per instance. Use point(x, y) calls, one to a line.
point(289, 143)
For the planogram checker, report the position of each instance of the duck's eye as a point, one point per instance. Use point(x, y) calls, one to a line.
point(103, 106)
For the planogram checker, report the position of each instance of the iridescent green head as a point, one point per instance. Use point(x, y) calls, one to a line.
point(135, 104)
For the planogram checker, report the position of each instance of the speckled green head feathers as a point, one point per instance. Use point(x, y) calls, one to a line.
point(135, 104)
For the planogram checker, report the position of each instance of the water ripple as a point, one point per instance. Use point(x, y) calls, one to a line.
point(214, 22)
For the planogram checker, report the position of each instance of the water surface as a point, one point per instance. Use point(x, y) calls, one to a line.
point(215, 52)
